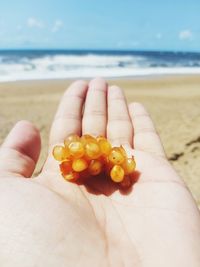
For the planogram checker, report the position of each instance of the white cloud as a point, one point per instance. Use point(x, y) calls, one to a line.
point(185, 35)
point(35, 23)
point(57, 25)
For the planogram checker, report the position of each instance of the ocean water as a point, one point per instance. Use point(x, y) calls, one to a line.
point(59, 64)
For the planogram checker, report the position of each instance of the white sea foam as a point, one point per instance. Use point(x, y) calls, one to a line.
point(84, 66)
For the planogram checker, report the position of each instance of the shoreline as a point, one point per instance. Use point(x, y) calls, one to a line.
point(118, 78)
point(142, 78)
point(173, 102)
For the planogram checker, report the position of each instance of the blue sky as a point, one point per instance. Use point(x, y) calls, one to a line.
point(105, 24)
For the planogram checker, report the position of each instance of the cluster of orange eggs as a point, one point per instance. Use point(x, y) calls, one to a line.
point(86, 156)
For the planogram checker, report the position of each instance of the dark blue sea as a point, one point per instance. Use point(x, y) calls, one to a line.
point(59, 64)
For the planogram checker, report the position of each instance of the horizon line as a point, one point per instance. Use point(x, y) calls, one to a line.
point(99, 50)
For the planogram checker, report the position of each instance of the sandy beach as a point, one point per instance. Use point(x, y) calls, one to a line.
point(173, 101)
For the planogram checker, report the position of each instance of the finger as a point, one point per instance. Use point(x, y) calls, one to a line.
point(145, 135)
point(95, 117)
point(119, 128)
point(69, 114)
point(20, 151)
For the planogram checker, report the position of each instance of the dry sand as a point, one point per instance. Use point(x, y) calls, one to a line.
point(174, 103)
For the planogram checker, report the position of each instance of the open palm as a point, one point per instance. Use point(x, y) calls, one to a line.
point(46, 221)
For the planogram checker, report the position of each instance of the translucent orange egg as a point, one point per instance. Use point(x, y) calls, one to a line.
point(79, 165)
point(65, 167)
point(84, 157)
point(117, 173)
point(61, 153)
point(92, 150)
point(76, 149)
point(123, 151)
point(116, 156)
point(104, 159)
point(100, 137)
point(95, 167)
point(71, 176)
point(71, 138)
point(129, 165)
point(105, 146)
point(87, 138)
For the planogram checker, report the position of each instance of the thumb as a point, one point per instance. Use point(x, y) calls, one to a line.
point(20, 151)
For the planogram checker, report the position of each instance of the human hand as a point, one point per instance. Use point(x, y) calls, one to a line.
point(46, 221)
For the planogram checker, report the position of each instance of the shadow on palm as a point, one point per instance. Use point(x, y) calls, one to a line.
point(103, 185)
